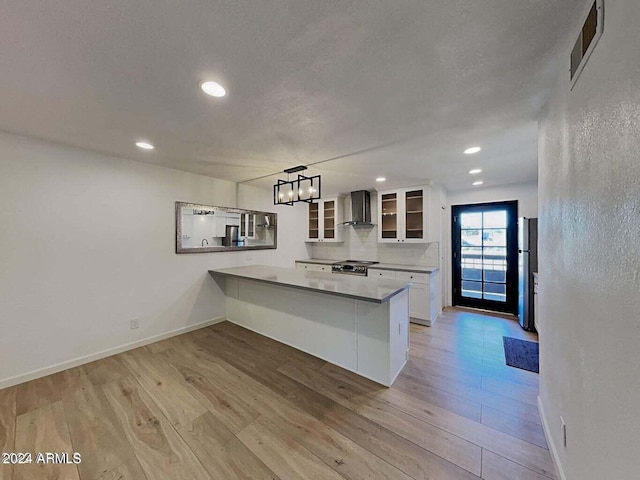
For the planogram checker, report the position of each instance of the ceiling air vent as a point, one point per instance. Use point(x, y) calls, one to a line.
point(587, 39)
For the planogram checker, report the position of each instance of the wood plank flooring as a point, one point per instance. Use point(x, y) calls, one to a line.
point(226, 403)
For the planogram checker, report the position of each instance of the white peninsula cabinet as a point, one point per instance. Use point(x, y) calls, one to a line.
point(423, 304)
point(324, 219)
point(357, 323)
point(403, 215)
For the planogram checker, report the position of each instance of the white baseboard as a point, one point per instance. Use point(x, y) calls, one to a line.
point(58, 367)
point(552, 446)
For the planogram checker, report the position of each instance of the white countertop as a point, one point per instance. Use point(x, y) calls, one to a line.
point(405, 268)
point(380, 266)
point(369, 289)
point(318, 261)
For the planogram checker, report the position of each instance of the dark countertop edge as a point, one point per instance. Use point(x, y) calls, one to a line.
point(326, 292)
point(408, 268)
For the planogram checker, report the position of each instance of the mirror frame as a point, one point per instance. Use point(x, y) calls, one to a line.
point(198, 206)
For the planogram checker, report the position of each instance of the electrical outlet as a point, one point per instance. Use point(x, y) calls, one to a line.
point(134, 323)
point(564, 432)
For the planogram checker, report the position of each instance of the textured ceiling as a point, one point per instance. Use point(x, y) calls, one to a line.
point(393, 88)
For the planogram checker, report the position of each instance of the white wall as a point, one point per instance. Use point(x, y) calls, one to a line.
point(525, 193)
point(88, 243)
point(589, 301)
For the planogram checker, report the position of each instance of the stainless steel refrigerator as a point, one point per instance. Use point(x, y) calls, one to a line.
point(527, 264)
point(232, 236)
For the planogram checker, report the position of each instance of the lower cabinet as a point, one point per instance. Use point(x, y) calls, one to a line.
point(422, 295)
point(313, 267)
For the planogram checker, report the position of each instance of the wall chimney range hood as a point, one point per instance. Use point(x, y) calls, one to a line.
point(360, 209)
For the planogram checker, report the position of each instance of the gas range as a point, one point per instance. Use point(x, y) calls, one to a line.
point(352, 267)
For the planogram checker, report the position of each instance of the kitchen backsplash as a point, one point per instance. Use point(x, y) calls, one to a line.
point(361, 243)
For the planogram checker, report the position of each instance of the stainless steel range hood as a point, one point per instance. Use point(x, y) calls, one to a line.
point(360, 209)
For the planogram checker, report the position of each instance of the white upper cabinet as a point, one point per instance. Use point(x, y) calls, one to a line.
point(324, 219)
point(403, 215)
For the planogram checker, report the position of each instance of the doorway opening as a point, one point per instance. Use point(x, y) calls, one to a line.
point(485, 256)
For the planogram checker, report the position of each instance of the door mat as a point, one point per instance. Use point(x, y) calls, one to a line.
point(521, 354)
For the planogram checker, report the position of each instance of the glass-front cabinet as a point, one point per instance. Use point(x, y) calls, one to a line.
point(324, 219)
point(313, 228)
point(251, 226)
point(388, 219)
point(247, 225)
point(403, 215)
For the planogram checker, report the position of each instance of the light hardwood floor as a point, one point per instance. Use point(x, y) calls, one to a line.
point(225, 403)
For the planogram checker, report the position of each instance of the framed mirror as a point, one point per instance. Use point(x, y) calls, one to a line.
point(206, 228)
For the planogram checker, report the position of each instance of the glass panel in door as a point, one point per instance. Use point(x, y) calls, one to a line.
point(329, 219)
point(494, 255)
point(313, 220)
point(389, 208)
point(414, 214)
point(483, 254)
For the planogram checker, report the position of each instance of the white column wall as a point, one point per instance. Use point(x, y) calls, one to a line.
point(589, 300)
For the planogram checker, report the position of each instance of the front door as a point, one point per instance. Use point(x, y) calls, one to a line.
point(485, 256)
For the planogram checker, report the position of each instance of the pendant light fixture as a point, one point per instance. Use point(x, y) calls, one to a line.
point(302, 189)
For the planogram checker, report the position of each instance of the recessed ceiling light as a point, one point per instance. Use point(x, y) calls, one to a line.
point(475, 171)
point(144, 145)
point(472, 150)
point(479, 182)
point(213, 88)
point(380, 179)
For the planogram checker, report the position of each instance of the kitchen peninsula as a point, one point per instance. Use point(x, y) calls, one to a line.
point(358, 323)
